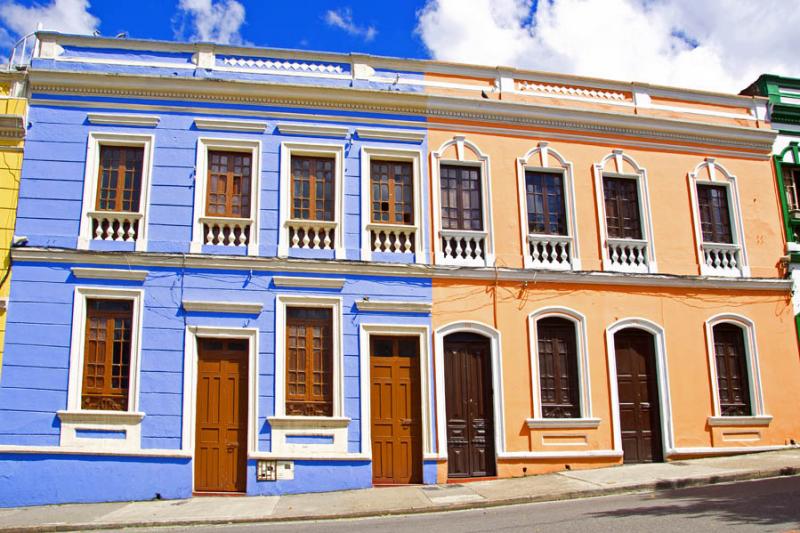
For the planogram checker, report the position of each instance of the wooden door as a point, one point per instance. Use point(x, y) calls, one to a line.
point(468, 400)
point(396, 411)
point(220, 457)
point(639, 413)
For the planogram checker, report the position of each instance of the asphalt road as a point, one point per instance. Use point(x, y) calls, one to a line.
point(763, 506)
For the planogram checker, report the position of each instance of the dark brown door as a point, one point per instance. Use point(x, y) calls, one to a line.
point(639, 414)
point(468, 399)
point(220, 457)
point(396, 412)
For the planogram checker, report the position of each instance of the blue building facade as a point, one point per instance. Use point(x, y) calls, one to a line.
point(183, 231)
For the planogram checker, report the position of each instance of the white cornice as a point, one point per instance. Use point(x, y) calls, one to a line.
point(393, 306)
point(308, 283)
point(123, 119)
point(242, 308)
point(313, 130)
point(109, 273)
point(391, 134)
point(576, 121)
point(340, 268)
point(254, 126)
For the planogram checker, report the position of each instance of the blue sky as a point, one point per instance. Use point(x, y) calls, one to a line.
point(719, 45)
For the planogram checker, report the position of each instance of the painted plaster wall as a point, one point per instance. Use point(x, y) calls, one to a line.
point(10, 165)
point(680, 312)
point(675, 245)
point(53, 180)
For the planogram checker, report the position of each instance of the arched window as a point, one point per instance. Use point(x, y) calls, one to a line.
point(558, 368)
point(733, 379)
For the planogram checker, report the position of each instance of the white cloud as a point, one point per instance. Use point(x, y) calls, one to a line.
point(215, 21)
point(720, 45)
point(66, 16)
point(343, 19)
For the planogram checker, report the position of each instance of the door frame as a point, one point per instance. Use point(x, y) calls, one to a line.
point(190, 362)
point(662, 380)
point(396, 330)
point(497, 383)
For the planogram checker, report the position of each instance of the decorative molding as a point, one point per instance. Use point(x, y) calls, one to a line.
point(391, 134)
point(12, 127)
point(123, 119)
point(308, 283)
point(296, 422)
point(313, 130)
point(277, 64)
point(563, 423)
point(242, 308)
point(148, 452)
point(393, 306)
point(224, 124)
point(313, 266)
point(100, 417)
point(564, 90)
point(109, 273)
point(731, 421)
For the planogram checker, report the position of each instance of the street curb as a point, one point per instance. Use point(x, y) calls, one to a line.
point(651, 486)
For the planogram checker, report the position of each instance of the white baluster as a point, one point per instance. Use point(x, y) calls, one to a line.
point(316, 238)
point(327, 240)
point(407, 244)
point(306, 238)
point(376, 246)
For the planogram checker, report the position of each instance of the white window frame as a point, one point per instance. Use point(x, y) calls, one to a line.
point(541, 159)
point(718, 176)
point(283, 425)
point(75, 418)
point(639, 174)
point(96, 140)
point(204, 145)
point(759, 415)
point(390, 154)
point(397, 330)
point(190, 364)
point(313, 149)
point(578, 321)
point(481, 161)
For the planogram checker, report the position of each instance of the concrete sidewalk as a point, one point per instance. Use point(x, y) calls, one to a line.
point(402, 500)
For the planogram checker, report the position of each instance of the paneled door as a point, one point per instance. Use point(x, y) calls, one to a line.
point(396, 413)
point(637, 383)
point(220, 456)
point(468, 400)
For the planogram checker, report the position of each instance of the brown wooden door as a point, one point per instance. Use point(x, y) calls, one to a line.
point(220, 457)
point(396, 412)
point(639, 414)
point(468, 400)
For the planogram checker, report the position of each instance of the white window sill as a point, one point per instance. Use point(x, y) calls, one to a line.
point(123, 418)
point(723, 421)
point(563, 423)
point(301, 422)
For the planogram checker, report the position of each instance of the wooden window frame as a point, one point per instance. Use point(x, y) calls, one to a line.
point(119, 190)
point(287, 150)
point(585, 419)
point(97, 140)
point(229, 194)
point(790, 184)
point(728, 223)
point(619, 199)
point(563, 230)
point(211, 144)
point(308, 401)
point(459, 194)
point(710, 172)
point(413, 156)
point(758, 414)
point(572, 401)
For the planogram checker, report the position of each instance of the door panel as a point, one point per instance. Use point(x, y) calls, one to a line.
point(396, 411)
point(221, 421)
point(468, 400)
point(637, 385)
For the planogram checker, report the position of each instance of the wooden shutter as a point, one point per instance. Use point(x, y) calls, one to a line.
point(558, 368)
point(545, 197)
point(107, 355)
point(623, 220)
point(229, 183)
point(733, 381)
point(313, 188)
point(461, 198)
point(119, 180)
point(715, 218)
point(309, 361)
point(791, 178)
point(392, 192)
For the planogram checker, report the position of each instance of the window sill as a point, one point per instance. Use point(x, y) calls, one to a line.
point(300, 422)
point(723, 421)
point(122, 418)
point(563, 423)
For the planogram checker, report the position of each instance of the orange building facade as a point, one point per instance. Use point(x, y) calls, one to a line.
point(609, 285)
